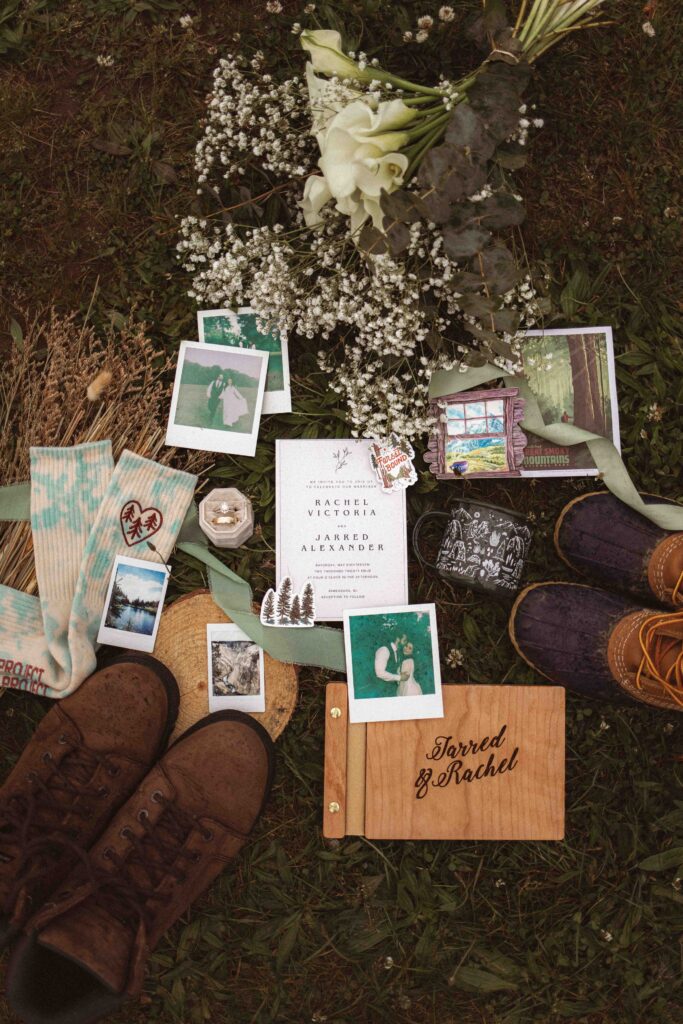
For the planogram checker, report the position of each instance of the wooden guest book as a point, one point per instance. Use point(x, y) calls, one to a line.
point(492, 768)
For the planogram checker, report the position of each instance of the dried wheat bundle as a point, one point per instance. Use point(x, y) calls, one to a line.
point(66, 386)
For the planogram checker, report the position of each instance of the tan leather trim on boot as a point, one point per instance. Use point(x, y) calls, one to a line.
point(665, 569)
point(624, 655)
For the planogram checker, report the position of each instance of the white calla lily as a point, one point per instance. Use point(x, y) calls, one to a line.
point(326, 100)
point(327, 56)
point(316, 194)
point(361, 157)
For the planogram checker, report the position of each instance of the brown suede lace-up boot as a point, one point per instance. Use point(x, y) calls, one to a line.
point(86, 757)
point(86, 951)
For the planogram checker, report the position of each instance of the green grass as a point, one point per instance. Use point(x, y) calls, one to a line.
point(193, 410)
point(95, 165)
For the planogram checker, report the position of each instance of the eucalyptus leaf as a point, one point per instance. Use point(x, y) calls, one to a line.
point(474, 358)
point(496, 96)
point(506, 320)
point(372, 241)
point(465, 281)
point(467, 132)
point(401, 206)
point(498, 268)
point(397, 237)
point(501, 211)
point(476, 304)
point(482, 334)
point(437, 205)
point(447, 170)
point(434, 340)
point(461, 244)
point(490, 21)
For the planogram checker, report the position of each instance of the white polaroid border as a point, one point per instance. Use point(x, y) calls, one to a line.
point(126, 638)
point(614, 401)
point(273, 401)
point(394, 709)
point(204, 438)
point(215, 632)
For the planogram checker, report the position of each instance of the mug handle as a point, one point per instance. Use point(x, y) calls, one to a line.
point(416, 534)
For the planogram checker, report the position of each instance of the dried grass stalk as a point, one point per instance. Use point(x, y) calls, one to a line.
point(67, 386)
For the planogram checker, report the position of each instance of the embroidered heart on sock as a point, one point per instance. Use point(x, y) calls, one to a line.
point(139, 524)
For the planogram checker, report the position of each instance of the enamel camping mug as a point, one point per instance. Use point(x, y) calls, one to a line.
point(483, 547)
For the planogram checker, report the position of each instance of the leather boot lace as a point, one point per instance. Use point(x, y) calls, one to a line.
point(34, 829)
point(661, 641)
point(157, 854)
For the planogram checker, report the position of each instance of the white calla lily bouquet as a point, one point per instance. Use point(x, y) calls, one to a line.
point(382, 208)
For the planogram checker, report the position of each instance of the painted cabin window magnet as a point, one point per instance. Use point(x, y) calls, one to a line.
point(477, 434)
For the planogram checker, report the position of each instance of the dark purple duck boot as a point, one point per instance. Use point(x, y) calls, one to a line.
point(602, 538)
point(600, 644)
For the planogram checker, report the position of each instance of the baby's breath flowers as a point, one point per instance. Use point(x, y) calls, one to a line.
point(304, 171)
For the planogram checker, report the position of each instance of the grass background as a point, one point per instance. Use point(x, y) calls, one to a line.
point(95, 166)
point(192, 409)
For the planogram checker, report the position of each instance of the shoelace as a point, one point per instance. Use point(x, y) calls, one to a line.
point(156, 854)
point(677, 595)
point(32, 821)
point(659, 636)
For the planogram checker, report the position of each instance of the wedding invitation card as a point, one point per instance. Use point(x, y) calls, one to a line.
point(337, 528)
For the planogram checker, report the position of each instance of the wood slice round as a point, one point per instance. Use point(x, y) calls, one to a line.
point(181, 646)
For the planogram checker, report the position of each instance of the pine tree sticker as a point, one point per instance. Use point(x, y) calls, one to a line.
point(268, 609)
point(287, 608)
point(284, 601)
point(307, 604)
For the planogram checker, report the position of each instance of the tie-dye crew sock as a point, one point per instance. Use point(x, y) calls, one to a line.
point(82, 519)
point(67, 486)
point(144, 502)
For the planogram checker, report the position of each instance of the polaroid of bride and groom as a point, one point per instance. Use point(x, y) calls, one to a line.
point(217, 398)
point(392, 663)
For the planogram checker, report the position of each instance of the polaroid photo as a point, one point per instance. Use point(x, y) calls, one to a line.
point(239, 330)
point(236, 677)
point(570, 372)
point(392, 663)
point(135, 600)
point(217, 398)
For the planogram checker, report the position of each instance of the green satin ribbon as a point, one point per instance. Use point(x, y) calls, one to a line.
point(15, 503)
point(603, 452)
point(316, 645)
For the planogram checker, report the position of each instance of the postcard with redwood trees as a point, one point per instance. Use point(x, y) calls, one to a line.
point(571, 373)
